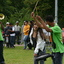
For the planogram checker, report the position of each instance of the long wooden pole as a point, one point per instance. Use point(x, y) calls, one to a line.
point(35, 6)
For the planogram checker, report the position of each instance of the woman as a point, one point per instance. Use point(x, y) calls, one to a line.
point(37, 39)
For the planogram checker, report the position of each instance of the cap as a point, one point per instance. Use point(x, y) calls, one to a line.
point(17, 21)
point(26, 21)
point(7, 22)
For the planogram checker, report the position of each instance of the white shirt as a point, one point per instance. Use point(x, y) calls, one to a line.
point(40, 42)
point(16, 28)
point(13, 34)
point(47, 35)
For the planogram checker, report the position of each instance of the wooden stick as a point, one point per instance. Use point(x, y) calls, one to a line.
point(35, 6)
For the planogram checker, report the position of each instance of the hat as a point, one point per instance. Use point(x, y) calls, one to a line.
point(7, 22)
point(17, 21)
point(26, 21)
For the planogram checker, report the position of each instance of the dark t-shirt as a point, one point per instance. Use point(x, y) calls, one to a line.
point(6, 30)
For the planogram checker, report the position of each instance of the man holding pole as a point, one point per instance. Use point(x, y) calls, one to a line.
point(56, 34)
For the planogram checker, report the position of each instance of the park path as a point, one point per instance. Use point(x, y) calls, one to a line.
point(19, 45)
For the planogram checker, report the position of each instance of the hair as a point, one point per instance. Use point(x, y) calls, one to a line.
point(40, 32)
point(32, 21)
point(50, 18)
point(31, 25)
point(10, 24)
point(26, 21)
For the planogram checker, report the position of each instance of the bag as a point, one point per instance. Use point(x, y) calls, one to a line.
point(45, 56)
point(29, 45)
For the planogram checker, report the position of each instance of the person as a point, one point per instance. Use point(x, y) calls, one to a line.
point(1, 44)
point(6, 34)
point(26, 29)
point(38, 41)
point(56, 34)
point(31, 23)
point(17, 30)
point(12, 35)
point(48, 39)
point(22, 34)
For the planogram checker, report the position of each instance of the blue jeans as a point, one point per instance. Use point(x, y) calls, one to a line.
point(25, 41)
point(58, 58)
point(12, 41)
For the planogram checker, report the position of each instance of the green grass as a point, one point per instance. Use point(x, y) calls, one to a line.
point(19, 56)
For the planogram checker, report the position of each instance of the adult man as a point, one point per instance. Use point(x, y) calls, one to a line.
point(26, 29)
point(7, 34)
point(17, 31)
point(58, 47)
point(1, 44)
point(12, 35)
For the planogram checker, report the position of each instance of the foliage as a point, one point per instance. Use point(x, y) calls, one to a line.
point(61, 13)
point(20, 10)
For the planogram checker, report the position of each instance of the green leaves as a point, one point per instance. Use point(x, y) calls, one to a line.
point(21, 9)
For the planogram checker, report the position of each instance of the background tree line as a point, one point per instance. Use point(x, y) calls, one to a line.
point(20, 10)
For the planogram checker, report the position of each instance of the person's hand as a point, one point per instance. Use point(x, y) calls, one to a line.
point(32, 15)
point(35, 54)
point(39, 18)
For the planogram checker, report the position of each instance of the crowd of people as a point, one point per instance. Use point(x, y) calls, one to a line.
point(11, 34)
point(34, 34)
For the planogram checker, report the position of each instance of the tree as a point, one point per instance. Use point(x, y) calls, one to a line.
point(21, 10)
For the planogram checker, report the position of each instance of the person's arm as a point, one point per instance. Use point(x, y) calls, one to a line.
point(41, 23)
point(26, 30)
point(37, 22)
point(44, 25)
point(11, 30)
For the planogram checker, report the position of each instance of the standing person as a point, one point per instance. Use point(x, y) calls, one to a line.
point(22, 34)
point(48, 38)
point(17, 29)
point(6, 33)
point(12, 35)
point(56, 34)
point(38, 41)
point(26, 32)
point(31, 23)
point(1, 45)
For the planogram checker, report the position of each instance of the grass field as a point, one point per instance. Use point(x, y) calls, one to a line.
point(19, 56)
